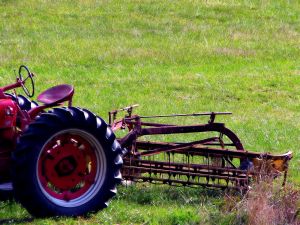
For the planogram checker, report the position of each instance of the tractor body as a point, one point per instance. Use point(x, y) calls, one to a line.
point(8, 134)
point(56, 160)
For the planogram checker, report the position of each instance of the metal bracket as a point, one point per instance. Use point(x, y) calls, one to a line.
point(113, 114)
point(212, 117)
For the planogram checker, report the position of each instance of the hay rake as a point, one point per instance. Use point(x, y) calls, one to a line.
point(215, 159)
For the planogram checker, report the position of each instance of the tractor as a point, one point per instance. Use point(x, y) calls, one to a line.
point(65, 161)
point(61, 160)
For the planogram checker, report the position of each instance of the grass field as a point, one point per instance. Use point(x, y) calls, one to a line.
point(169, 57)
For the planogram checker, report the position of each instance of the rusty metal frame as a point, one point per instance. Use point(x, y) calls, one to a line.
point(137, 168)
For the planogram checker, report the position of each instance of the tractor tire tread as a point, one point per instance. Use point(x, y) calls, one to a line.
point(25, 182)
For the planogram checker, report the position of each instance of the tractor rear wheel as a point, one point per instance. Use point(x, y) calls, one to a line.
point(67, 163)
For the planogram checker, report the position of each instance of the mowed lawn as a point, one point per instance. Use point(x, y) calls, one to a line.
point(169, 57)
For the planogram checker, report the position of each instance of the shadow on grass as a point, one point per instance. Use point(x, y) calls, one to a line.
point(13, 213)
point(155, 194)
point(16, 221)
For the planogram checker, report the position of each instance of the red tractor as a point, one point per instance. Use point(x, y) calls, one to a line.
point(68, 162)
point(62, 162)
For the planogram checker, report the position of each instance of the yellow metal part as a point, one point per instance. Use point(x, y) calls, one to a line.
point(272, 166)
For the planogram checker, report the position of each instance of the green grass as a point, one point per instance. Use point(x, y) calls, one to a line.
point(170, 57)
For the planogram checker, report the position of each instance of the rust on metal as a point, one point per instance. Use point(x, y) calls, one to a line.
point(218, 159)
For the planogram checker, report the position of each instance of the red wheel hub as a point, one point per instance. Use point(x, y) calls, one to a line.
point(67, 166)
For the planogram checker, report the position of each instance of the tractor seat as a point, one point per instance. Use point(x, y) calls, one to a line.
point(56, 94)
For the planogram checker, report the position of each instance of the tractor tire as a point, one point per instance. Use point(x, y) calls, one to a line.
point(24, 103)
point(67, 163)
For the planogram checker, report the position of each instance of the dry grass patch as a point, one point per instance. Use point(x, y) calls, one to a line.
point(266, 203)
point(234, 52)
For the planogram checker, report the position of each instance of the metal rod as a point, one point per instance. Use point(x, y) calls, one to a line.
point(187, 173)
point(183, 166)
point(176, 147)
point(191, 114)
point(167, 181)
